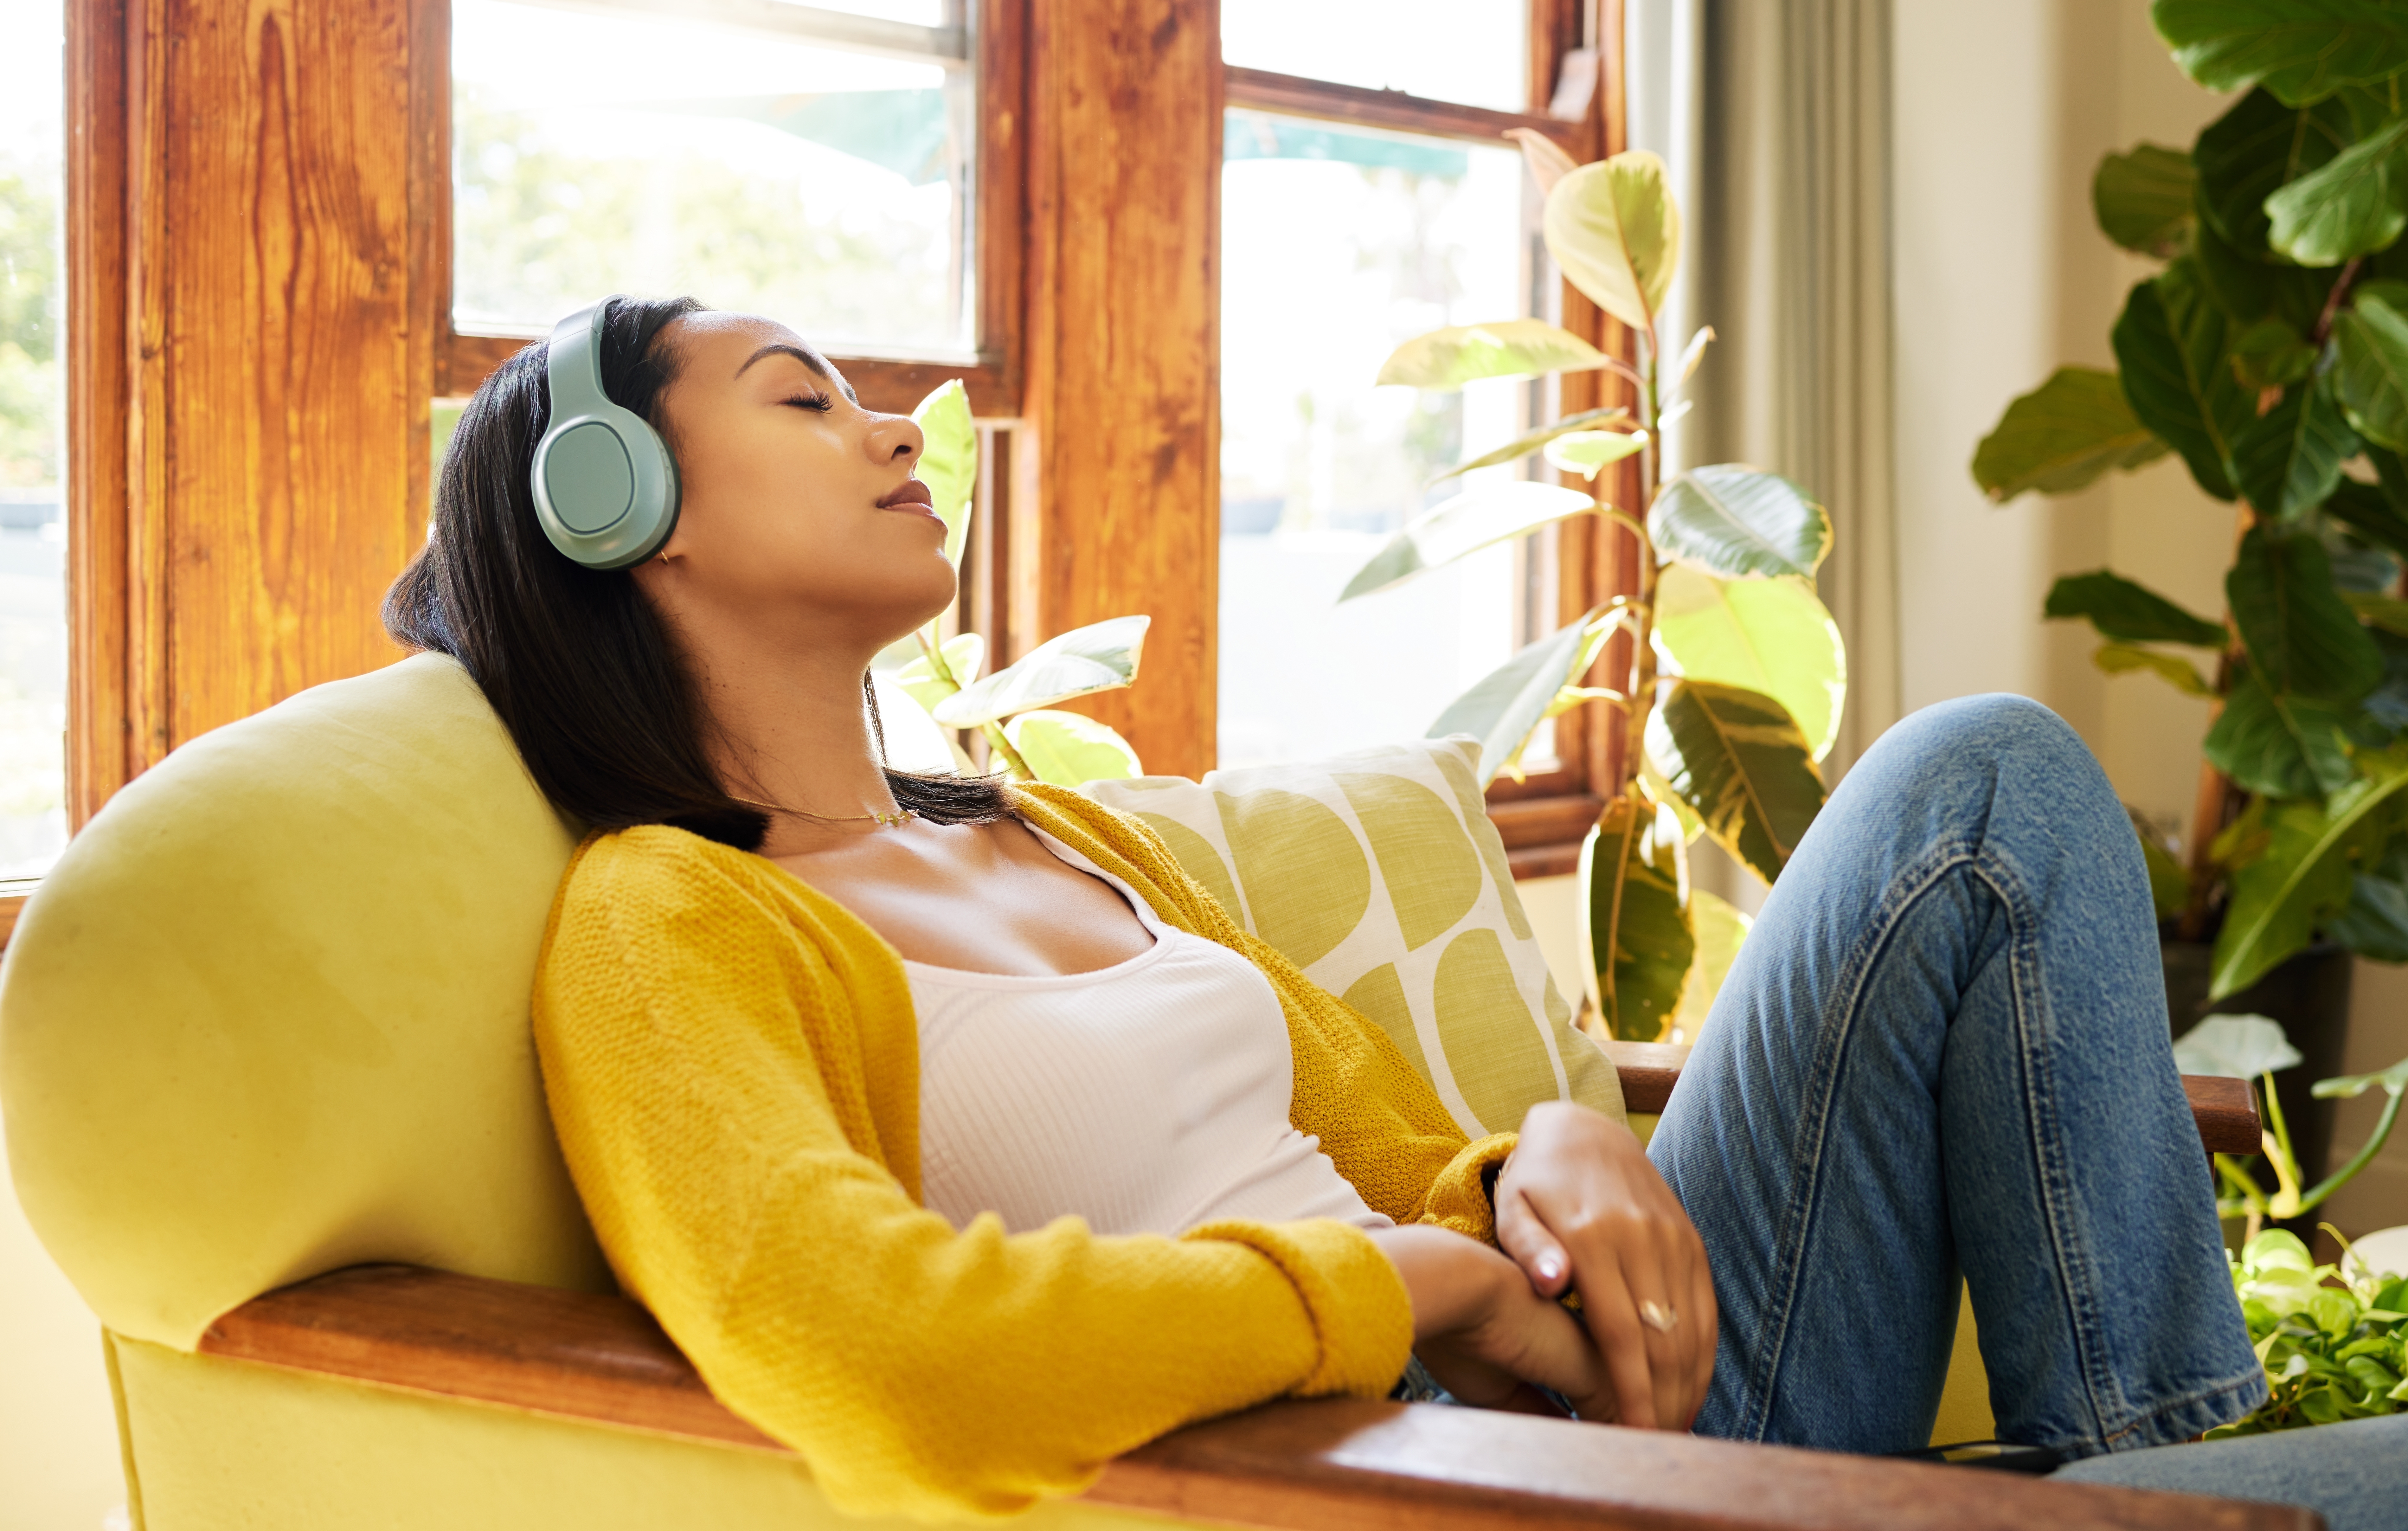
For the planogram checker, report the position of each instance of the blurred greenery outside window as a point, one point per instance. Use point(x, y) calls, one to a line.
point(1338, 242)
point(815, 167)
point(33, 494)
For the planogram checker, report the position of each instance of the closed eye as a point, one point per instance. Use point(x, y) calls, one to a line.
point(820, 402)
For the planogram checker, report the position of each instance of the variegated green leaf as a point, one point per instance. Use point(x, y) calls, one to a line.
point(1616, 233)
point(964, 655)
point(1738, 759)
point(1446, 360)
point(1740, 522)
point(949, 462)
point(1510, 700)
point(1463, 525)
point(1772, 635)
point(1520, 447)
point(1589, 452)
point(1069, 750)
point(1634, 884)
point(1103, 656)
point(1720, 930)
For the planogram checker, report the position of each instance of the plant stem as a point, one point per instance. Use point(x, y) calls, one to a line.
point(1000, 742)
point(2277, 1143)
point(2332, 300)
point(2364, 1156)
point(996, 740)
point(935, 654)
point(1642, 651)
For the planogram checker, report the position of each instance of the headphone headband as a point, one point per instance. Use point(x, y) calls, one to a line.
point(606, 488)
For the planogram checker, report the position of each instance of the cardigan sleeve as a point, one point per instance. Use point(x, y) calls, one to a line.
point(706, 1074)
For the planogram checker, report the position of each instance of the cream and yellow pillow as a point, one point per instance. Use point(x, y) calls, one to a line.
point(1379, 873)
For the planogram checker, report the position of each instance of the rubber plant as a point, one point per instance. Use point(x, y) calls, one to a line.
point(1736, 677)
point(1013, 709)
point(2270, 353)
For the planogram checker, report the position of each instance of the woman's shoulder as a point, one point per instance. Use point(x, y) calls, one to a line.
point(658, 870)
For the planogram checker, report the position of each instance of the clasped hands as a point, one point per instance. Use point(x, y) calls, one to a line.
point(1579, 1209)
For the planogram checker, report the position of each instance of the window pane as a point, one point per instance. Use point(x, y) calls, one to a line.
point(1336, 245)
point(32, 503)
point(1475, 51)
point(828, 189)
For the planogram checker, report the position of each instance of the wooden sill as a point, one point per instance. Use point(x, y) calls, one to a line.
point(1293, 1466)
point(1355, 1465)
point(13, 893)
point(1542, 834)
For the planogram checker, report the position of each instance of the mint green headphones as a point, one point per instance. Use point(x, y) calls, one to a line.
point(606, 488)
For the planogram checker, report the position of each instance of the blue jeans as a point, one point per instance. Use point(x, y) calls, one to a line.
point(1943, 1050)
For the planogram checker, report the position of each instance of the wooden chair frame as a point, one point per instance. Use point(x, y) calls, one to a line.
point(1285, 1466)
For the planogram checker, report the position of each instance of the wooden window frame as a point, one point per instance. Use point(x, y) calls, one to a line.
point(464, 359)
point(1542, 818)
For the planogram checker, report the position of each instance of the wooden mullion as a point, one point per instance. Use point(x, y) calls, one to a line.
point(99, 357)
point(1294, 96)
point(430, 228)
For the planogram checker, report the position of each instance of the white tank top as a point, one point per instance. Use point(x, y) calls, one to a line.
point(1149, 1096)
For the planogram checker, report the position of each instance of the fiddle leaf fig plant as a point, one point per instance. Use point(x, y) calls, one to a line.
point(2268, 351)
point(1733, 680)
point(1015, 709)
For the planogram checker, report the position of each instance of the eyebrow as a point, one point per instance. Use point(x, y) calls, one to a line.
point(799, 354)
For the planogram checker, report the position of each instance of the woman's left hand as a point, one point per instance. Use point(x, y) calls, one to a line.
point(1578, 1206)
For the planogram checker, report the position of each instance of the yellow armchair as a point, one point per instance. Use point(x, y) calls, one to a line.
point(272, 1106)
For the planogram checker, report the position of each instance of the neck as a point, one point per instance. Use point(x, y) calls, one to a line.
point(789, 731)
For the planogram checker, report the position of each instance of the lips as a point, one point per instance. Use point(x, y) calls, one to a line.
point(911, 493)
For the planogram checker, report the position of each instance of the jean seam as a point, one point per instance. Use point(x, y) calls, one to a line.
point(1831, 1046)
point(2075, 1269)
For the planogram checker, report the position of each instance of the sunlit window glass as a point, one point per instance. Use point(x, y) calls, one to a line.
point(1338, 243)
point(793, 174)
point(1474, 52)
point(33, 437)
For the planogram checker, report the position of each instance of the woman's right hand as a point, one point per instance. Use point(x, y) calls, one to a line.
point(1481, 1330)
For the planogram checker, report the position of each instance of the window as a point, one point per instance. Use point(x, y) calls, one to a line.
point(1336, 245)
point(822, 163)
point(1369, 195)
point(33, 526)
point(788, 169)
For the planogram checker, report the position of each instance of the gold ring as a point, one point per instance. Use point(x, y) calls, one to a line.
point(1657, 1317)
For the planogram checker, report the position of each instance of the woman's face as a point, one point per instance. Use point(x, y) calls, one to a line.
point(797, 506)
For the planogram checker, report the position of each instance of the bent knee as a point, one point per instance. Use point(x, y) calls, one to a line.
point(2007, 738)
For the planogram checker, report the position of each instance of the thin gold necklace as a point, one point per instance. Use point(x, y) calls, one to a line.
point(883, 820)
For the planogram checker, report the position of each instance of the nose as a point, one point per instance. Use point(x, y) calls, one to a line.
point(895, 439)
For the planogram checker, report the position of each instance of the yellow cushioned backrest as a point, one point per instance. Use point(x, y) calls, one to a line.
point(268, 1015)
point(1379, 873)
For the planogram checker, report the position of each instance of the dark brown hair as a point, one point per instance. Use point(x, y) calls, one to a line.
point(581, 670)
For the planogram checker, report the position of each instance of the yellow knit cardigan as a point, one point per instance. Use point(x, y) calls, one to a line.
point(732, 1068)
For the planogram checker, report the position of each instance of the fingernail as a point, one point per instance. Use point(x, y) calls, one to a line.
point(1550, 1267)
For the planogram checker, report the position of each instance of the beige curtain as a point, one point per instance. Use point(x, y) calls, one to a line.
point(1775, 116)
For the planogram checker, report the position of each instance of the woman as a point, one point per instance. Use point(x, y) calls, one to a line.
point(963, 1143)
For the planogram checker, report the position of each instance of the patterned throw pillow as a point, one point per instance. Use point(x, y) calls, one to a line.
point(1379, 873)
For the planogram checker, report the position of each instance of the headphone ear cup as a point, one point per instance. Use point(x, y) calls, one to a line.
point(604, 484)
point(653, 514)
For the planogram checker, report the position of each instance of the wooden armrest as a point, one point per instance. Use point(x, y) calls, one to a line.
point(2225, 1109)
point(1290, 1466)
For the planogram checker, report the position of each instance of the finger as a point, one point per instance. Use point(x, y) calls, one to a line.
point(1651, 1271)
point(1708, 1335)
point(1612, 1315)
point(1521, 1233)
